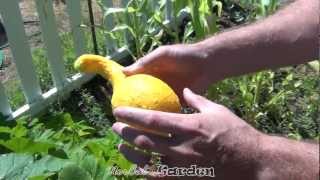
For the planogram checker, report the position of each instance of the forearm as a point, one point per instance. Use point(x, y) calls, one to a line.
point(263, 157)
point(289, 37)
point(282, 158)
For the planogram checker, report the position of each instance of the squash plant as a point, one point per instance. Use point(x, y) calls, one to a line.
point(58, 147)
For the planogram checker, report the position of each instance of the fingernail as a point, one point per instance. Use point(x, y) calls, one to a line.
point(115, 111)
point(119, 147)
point(118, 111)
point(129, 69)
point(123, 112)
point(187, 90)
point(115, 128)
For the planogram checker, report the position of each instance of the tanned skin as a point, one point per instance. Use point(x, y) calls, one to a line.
point(215, 136)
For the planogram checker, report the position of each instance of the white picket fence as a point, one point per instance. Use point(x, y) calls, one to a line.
point(35, 98)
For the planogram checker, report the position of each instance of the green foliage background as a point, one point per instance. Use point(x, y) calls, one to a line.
point(73, 140)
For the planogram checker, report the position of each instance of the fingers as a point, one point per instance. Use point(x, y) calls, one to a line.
point(196, 101)
point(142, 140)
point(138, 157)
point(144, 64)
point(173, 123)
point(135, 68)
point(139, 66)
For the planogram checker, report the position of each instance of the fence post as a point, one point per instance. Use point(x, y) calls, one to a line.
point(75, 16)
point(168, 10)
point(52, 41)
point(108, 25)
point(124, 4)
point(154, 5)
point(18, 41)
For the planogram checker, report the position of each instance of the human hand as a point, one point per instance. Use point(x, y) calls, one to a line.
point(213, 137)
point(179, 65)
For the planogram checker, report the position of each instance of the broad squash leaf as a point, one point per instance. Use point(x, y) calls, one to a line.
point(22, 166)
point(25, 145)
point(74, 172)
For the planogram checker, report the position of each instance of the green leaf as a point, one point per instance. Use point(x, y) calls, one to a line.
point(90, 164)
point(21, 166)
point(187, 33)
point(24, 145)
point(218, 4)
point(1, 57)
point(60, 153)
point(5, 130)
point(19, 130)
point(46, 135)
point(315, 65)
point(204, 7)
point(265, 2)
point(123, 27)
point(95, 148)
point(197, 18)
point(96, 169)
point(11, 165)
point(74, 172)
point(42, 177)
point(44, 165)
point(132, 10)
point(67, 119)
point(119, 160)
point(83, 133)
point(113, 11)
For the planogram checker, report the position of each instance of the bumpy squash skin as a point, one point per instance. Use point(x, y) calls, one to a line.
point(147, 92)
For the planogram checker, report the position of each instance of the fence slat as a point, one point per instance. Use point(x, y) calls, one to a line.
point(22, 58)
point(74, 11)
point(124, 4)
point(52, 41)
point(52, 95)
point(4, 103)
point(168, 10)
point(109, 24)
point(154, 5)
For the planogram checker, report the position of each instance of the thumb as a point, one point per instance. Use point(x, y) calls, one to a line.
point(139, 66)
point(198, 102)
point(133, 69)
point(145, 64)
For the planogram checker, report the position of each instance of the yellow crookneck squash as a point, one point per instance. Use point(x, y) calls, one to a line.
point(139, 90)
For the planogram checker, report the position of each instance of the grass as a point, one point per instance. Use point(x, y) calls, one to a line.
point(75, 136)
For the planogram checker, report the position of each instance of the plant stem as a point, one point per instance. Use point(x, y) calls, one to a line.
point(257, 89)
point(93, 30)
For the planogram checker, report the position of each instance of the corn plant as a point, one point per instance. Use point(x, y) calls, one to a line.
point(142, 27)
point(261, 8)
point(135, 26)
point(204, 22)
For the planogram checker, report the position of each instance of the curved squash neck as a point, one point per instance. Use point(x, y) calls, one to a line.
point(111, 71)
point(108, 69)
